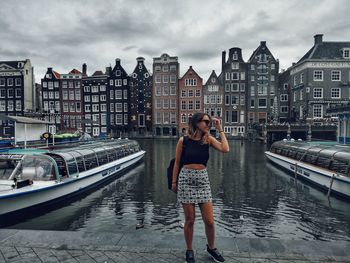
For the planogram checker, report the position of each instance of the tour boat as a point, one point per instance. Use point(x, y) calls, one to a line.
point(31, 178)
point(326, 166)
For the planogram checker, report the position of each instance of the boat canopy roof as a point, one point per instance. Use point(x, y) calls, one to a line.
point(332, 157)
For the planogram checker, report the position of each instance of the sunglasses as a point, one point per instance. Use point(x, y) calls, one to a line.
point(207, 122)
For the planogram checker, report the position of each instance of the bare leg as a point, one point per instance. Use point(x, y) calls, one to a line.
point(208, 219)
point(190, 215)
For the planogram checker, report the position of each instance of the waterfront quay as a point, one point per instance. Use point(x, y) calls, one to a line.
point(145, 246)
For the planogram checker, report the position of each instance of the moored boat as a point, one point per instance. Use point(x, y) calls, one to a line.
point(326, 166)
point(30, 178)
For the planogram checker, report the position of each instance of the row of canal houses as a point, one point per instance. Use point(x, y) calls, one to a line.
point(160, 103)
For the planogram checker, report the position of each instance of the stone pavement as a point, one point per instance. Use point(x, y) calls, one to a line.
point(145, 246)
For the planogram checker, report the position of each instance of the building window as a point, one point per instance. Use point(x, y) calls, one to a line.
point(318, 75)
point(10, 105)
point(10, 93)
point(165, 78)
point(234, 87)
point(125, 119)
point(111, 82)
point(165, 91)
point(190, 105)
point(284, 109)
point(318, 93)
point(234, 100)
point(65, 106)
point(302, 78)
point(158, 90)
point(227, 87)
point(262, 103)
point(158, 103)
point(272, 66)
point(119, 119)
point(172, 103)
point(227, 99)
point(198, 105)
point(118, 94)
point(18, 82)
point(183, 105)
point(165, 103)
point(118, 82)
point(252, 91)
point(301, 95)
point(125, 94)
point(190, 82)
point(346, 53)
point(242, 86)
point(272, 77)
point(18, 105)
point(94, 89)
point(335, 75)
point(285, 86)
point(234, 116)
point(10, 82)
point(252, 103)
point(190, 93)
point(235, 65)
point(198, 93)
point(183, 93)
point(118, 107)
point(172, 90)
point(252, 78)
point(317, 111)
point(235, 76)
point(252, 67)
point(103, 107)
point(284, 97)
point(335, 93)
point(183, 118)
point(2, 82)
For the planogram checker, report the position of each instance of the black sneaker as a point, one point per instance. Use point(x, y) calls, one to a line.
point(190, 256)
point(215, 254)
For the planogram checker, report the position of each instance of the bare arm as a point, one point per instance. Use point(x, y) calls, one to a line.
point(221, 146)
point(177, 160)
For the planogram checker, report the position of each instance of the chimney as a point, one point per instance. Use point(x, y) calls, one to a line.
point(117, 61)
point(49, 69)
point(223, 60)
point(108, 70)
point(84, 69)
point(318, 39)
point(263, 43)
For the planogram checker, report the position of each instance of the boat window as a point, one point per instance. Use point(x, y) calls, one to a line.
point(102, 156)
point(35, 167)
point(323, 162)
point(112, 155)
point(72, 167)
point(339, 166)
point(6, 167)
point(284, 152)
point(291, 153)
point(80, 163)
point(91, 161)
point(310, 158)
point(300, 155)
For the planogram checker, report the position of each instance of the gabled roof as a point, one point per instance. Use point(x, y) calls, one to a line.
point(212, 75)
point(258, 50)
point(74, 71)
point(13, 64)
point(191, 69)
point(98, 73)
point(326, 50)
point(57, 75)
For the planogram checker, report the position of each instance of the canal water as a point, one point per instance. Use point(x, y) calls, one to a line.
point(251, 198)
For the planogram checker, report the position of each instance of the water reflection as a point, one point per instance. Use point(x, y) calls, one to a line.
point(251, 198)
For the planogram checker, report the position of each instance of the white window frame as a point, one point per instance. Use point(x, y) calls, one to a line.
point(318, 75)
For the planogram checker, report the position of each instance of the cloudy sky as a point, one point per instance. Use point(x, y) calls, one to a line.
point(65, 34)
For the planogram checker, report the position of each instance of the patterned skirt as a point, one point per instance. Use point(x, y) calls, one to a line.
point(193, 186)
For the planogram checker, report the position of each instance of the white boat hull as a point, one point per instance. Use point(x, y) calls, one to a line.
point(44, 192)
point(316, 175)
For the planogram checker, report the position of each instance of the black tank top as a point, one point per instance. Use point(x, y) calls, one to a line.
point(195, 152)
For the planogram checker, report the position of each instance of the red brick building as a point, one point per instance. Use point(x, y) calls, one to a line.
point(190, 98)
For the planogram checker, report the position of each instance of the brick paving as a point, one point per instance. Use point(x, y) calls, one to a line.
point(65, 246)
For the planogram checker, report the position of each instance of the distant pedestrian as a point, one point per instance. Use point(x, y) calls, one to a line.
point(193, 182)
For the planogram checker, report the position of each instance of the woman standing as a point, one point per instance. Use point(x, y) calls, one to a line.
point(194, 186)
